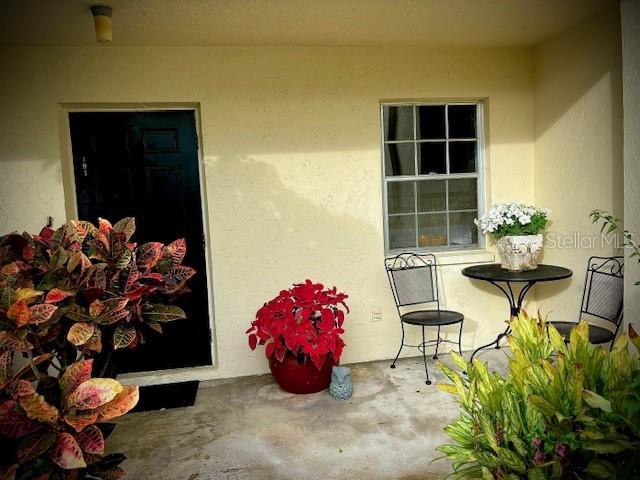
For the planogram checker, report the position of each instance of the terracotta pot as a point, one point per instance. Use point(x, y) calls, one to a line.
point(295, 377)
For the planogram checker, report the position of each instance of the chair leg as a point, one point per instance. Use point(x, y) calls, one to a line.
point(435, 357)
point(460, 338)
point(424, 357)
point(393, 365)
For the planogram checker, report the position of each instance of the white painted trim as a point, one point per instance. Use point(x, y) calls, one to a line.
point(464, 257)
point(170, 376)
point(206, 372)
point(480, 175)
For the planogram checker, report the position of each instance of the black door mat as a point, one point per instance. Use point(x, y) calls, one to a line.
point(169, 395)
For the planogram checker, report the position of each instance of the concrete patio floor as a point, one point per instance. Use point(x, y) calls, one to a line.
point(247, 428)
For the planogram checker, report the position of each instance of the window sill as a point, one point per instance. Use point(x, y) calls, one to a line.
point(459, 257)
point(464, 257)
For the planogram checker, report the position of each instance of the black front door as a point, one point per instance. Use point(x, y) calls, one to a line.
point(145, 165)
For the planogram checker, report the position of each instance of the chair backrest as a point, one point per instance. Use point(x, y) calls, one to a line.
point(603, 289)
point(413, 279)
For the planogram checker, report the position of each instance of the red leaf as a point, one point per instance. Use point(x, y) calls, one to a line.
point(176, 277)
point(111, 317)
point(91, 440)
point(136, 294)
point(45, 236)
point(123, 336)
point(74, 375)
point(93, 393)
point(66, 452)
point(318, 360)
point(22, 388)
point(80, 333)
point(41, 313)
point(115, 303)
point(28, 252)
point(56, 295)
point(6, 362)
point(253, 341)
point(8, 341)
point(132, 278)
point(270, 349)
point(104, 226)
point(96, 308)
point(121, 404)
point(19, 312)
point(148, 253)
point(177, 251)
point(95, 342)
point(127, 226)
point(16, 425)
point(80, 420)
point(37, 408)
point(96, 277)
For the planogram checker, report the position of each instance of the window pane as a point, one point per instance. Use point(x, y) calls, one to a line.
point(463, 194)
point(432, 230)
point(462, 121)
point(432, 196)
point(401, 197)
point(399, 159)
point(402, 231)
point(398, 123)
point(432, 157)
point(431, 122)
point(462, 157)
point(462, 229)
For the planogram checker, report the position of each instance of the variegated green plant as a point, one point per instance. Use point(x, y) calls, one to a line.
point(563, 411)
point(611, 224)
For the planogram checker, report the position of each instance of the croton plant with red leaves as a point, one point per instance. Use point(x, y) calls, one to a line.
point(54, 428)
point(305, 320)
point(68, 297)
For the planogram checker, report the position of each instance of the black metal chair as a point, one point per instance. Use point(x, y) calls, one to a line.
point(414, 282)
point(602, 298)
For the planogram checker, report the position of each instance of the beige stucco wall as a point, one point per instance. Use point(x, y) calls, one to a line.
point(578, 148)
point(290, 139)
point(630, 12)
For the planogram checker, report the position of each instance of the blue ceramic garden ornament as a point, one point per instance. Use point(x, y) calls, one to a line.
point(341, 387)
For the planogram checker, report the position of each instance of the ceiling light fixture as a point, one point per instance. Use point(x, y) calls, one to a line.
point(102, 22)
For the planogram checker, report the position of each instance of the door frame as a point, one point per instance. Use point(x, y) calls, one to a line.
point(202, 373)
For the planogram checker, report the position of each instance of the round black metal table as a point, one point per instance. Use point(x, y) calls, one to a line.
point(496, 275)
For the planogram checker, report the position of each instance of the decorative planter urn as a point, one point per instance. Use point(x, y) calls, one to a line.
point(519, 252)
point(294, 376)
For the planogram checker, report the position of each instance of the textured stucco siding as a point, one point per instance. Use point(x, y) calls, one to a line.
point(291, 160)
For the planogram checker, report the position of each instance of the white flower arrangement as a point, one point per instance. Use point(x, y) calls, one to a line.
point(513, 219)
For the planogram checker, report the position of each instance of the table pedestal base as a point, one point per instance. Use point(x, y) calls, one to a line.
point(515, 304)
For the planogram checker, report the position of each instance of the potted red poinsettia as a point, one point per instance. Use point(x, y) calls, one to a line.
point(301, 329)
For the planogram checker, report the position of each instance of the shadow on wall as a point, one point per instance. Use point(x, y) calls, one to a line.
point(573, 71)
point(275, 234)
point(578, 134)
point(272, 232)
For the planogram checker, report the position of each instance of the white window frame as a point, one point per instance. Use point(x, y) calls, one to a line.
point(478, 175)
